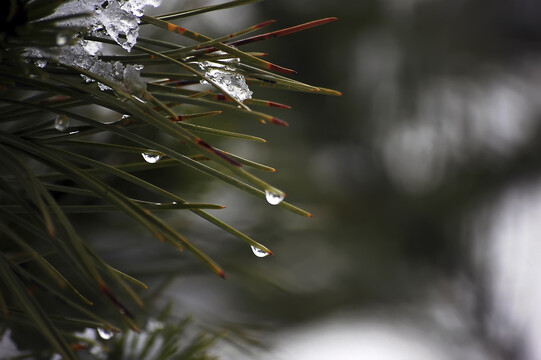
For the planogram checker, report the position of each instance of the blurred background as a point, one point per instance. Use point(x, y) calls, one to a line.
point(423, 180)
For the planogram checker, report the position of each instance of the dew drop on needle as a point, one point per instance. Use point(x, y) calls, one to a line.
point(105, 334)
point(274, 198)
point(151, 158)
point(258, 252)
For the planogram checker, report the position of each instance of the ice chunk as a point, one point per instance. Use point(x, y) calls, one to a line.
point(76, 55)
point(132, 79)
point(127, 76)
point(228, 78)
point(92, 47)
point(114, 17)
point(75, 7)
point(117, 18)
point(136, 6)
point(37, 56)
point(116, 21)
point(233, 83)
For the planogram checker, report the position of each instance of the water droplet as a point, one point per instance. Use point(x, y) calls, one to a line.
point(105, 334)
point(61, 123)
point(151, 158)
point(274, 198)
point(62, 38)
point(258, 252)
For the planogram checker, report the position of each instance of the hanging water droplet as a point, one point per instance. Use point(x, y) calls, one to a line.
point(258, 252)
point(151, 158)
point(105, 334)
point(62, 38)
point(61, 123)
point(274, 198)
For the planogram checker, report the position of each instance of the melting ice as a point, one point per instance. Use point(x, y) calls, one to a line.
point(114, 17)
point(228, 78)
point(118, 19)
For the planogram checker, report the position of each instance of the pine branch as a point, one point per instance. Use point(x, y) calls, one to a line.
point(54, 165)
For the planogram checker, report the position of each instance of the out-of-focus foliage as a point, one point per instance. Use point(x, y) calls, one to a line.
point(439, 119)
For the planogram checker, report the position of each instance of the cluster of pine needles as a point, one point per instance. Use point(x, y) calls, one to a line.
point(52, 147)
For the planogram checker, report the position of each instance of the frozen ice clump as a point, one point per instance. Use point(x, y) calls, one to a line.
point(127, 76)
point(92, 47)
point(37, 56)
point(116, 21)
point(77, 55)
point(114, 17)
point(132, 79)
point(136, 6)
point(117, 18)
point(234, 84)
point(122, 18)
point(84, 56)
point(228, 78)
